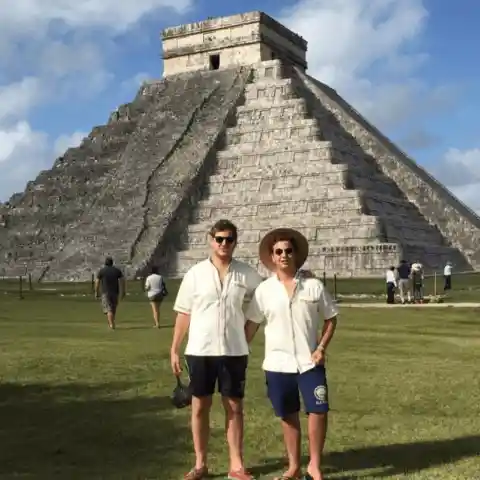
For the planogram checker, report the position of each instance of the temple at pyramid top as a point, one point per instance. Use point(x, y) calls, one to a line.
point(243, 39)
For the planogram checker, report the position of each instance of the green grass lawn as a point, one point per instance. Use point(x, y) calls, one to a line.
point(78, 401)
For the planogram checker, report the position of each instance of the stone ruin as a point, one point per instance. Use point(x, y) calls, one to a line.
point(236, 129)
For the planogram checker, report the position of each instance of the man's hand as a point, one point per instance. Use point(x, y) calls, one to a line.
point(318, 357)
point(175, 363)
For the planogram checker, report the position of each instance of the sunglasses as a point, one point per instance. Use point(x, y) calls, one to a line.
point(288, 251)
point(219, 239)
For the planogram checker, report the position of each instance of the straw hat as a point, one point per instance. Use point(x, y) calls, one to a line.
point(267, 242)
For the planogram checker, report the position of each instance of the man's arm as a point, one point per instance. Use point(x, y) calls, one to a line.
point(254, 317)
point(251, 329)
point(328, 330)
point(97, 287)
point(182, 322)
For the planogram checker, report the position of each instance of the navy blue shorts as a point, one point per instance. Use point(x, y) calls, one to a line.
point(283, 391)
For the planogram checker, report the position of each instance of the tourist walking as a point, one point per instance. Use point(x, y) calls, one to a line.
point(417, 282)
point(391, 283)
point(156, 292)
point(111, 283)
point(404, 281)
point(447, 275)
point(296, 340)
point(209, 308)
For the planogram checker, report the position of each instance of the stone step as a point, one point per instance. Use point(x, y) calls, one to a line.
point(317, 174)
point(261, 113)
point(297, 187)
point(253, 231)
point(279, 190)
point(286, 147)
point(292, 134)
point(346, 204)
point(289, 152)
point(272, 90)
point(364, 260)
point(302, 222)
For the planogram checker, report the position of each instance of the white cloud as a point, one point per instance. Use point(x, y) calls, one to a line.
point(22, 150)
point(50, 52)
point(17, 99)
point(460, 171)
point(31, 15)
point(367, 50)
point(64, 142)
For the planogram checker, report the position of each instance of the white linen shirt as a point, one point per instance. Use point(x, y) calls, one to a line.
point(217, 318)
point(447, 270)
point(292, 325)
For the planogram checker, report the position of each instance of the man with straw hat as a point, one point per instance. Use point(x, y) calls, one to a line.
point(295, 344)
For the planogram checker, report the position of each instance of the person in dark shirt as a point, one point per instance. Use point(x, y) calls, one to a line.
point(111, 282)
point(404, 282)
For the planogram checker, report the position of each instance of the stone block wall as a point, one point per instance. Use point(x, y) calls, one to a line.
point(457, 224)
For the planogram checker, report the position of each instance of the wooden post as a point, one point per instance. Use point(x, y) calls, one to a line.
point(30, 281)
point(20, 286)
point(324, 278)
point(93, 283)
point(334, 286)
point(435, 284)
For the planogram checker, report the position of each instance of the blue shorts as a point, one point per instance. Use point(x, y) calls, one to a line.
point(283, 391)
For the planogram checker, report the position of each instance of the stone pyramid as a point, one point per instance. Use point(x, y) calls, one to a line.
point(236, 129)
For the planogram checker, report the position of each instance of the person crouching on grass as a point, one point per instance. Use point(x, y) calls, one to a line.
point(292, 304)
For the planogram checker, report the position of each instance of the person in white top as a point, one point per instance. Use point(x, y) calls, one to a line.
point(210, 306)
point(296, 339)
point(156, 292)
point(447, 275)
point(391, 282)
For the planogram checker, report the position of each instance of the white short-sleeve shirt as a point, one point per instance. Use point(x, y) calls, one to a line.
point(292, 325)
point(153, 284)
point(217, 312)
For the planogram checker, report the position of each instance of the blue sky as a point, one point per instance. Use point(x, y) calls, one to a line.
point(408, 65)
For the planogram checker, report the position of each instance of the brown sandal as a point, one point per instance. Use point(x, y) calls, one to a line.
point(196, 474)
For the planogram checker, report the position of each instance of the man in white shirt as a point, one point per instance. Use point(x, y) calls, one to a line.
point(447, 274)
point(391, 282)
point(210, 307)
point(295, 343)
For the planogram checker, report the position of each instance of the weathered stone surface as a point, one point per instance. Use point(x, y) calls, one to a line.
point(262, 144)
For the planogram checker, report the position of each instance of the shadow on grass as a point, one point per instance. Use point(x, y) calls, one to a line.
point(391, 460)
point(79, 431)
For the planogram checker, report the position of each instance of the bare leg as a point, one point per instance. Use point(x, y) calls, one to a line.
point(155, 311)
point(111, 319)
point(317, 432)
point(201, 429)
point(292, 438)
point(234, 431)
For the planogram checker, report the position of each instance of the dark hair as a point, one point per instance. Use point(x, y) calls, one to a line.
point(392, 268)
point(154, 269)
point(109, 261)
point(284, 238)
point(223, 226)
